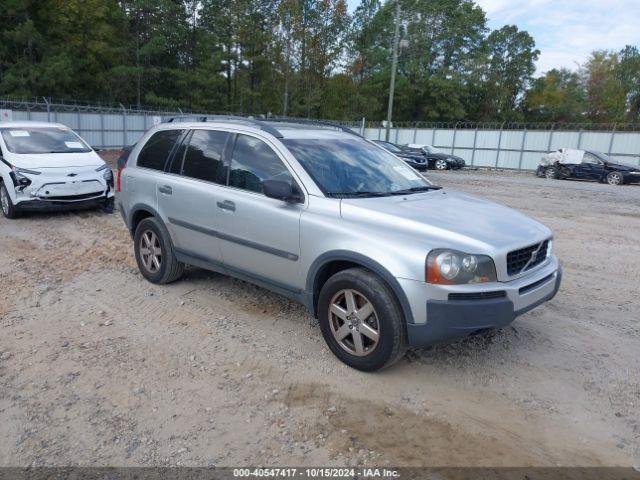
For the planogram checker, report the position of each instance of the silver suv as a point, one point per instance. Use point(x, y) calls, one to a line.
point(381, 256)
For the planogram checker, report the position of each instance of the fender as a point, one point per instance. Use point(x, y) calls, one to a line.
point(349, 256)
point(138, 207)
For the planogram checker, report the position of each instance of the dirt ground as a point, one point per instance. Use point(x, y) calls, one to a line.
point(100, 367)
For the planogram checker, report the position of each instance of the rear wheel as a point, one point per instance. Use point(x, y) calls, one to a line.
point(8, 208)
point(361, 320)
point(615, 178)
point(154, 252)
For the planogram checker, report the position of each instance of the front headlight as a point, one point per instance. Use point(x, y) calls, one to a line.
point(17, 171)
point(451, 267)
point(101, 167)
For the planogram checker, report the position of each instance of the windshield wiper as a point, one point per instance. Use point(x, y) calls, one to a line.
point(358, 194)
point(409, 191)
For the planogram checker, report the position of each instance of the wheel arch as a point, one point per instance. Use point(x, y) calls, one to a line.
point(332, 262)
point(138, 213)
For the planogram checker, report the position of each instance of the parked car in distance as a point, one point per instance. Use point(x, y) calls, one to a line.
point(567, 163)
point(436, 159)
point(414, 160)
point(381, 256)
point(47, 166)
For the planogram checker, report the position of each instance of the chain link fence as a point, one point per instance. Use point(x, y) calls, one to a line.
point(489, 144)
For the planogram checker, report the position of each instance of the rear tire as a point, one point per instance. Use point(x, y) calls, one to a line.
point(376, 313)
point(6, 205)
point(154, 252)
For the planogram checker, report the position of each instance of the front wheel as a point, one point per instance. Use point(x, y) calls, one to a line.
point(550, 173)
point(441, 165)
point(8, 208)
point(154, 252)
point(615, 178)
point(361, 321)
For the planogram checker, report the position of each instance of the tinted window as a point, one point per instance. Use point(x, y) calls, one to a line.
point(156, 151)
point(27, 140)
point(253, 161)
point(203, 159)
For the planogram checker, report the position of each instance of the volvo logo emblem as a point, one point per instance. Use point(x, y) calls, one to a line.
point(534, 256)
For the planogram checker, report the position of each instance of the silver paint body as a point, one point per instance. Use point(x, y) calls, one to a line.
point(394, 232)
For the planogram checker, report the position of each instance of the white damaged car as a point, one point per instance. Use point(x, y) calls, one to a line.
point(47, 166)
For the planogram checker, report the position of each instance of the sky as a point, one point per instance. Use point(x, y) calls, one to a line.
point(566, 31)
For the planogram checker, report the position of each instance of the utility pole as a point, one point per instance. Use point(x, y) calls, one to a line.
point(394, 67)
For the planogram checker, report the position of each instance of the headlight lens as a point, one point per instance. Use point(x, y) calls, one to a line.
point(451, 267)
point(17, 170)
point(100, 168)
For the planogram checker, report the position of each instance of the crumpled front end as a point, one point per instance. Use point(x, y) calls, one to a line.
point(49, 187)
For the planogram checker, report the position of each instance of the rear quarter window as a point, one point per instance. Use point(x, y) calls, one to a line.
point(156, 151)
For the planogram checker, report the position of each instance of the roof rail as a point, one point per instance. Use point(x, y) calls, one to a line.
point(308, 121)
point(231, 118)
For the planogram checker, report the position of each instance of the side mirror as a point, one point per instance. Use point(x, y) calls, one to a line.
point(280, 190)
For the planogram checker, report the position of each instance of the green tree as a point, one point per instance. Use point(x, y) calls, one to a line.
point(558, 96)
point(504, 70)
point(604, 89)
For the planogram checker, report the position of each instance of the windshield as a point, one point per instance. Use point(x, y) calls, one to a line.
point(431, 149)
point(31, 140)
point(390, 146)
point(353, 167)
point(602, 156)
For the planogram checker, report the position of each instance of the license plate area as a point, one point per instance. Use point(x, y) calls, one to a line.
point(69, 189)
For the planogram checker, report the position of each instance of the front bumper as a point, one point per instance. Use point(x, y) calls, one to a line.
point(452, 313)
point(51, 206)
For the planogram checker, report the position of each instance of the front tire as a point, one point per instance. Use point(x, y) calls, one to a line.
point(615, 178)
point(441, 165)
point(154, 252)
point(6, 205)
point(361, 320)
point(550, 173)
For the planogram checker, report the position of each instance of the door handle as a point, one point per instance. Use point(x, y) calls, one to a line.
point(166, 189)
point(227, 205)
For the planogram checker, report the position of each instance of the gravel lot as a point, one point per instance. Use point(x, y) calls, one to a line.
point(99, 367)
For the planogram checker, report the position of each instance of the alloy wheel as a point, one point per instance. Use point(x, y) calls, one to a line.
point(441, 164)
point(614, 179)
point(550, 173)
point(150, 251)
point(354, 322)
point(4, 200)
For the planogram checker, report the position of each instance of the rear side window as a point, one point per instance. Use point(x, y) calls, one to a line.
point(254, 161)
point(203, 157)
point(155, 152)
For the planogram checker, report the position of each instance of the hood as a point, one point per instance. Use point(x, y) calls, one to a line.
point(455, 219)
point(622, 167)
point(56, 160)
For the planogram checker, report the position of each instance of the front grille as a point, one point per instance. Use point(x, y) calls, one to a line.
point(478, 295)
point(525, 259)
point(71, 198)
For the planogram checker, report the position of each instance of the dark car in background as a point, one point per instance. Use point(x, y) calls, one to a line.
point(414, 160)
point(436, 159)
point(586, 165)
